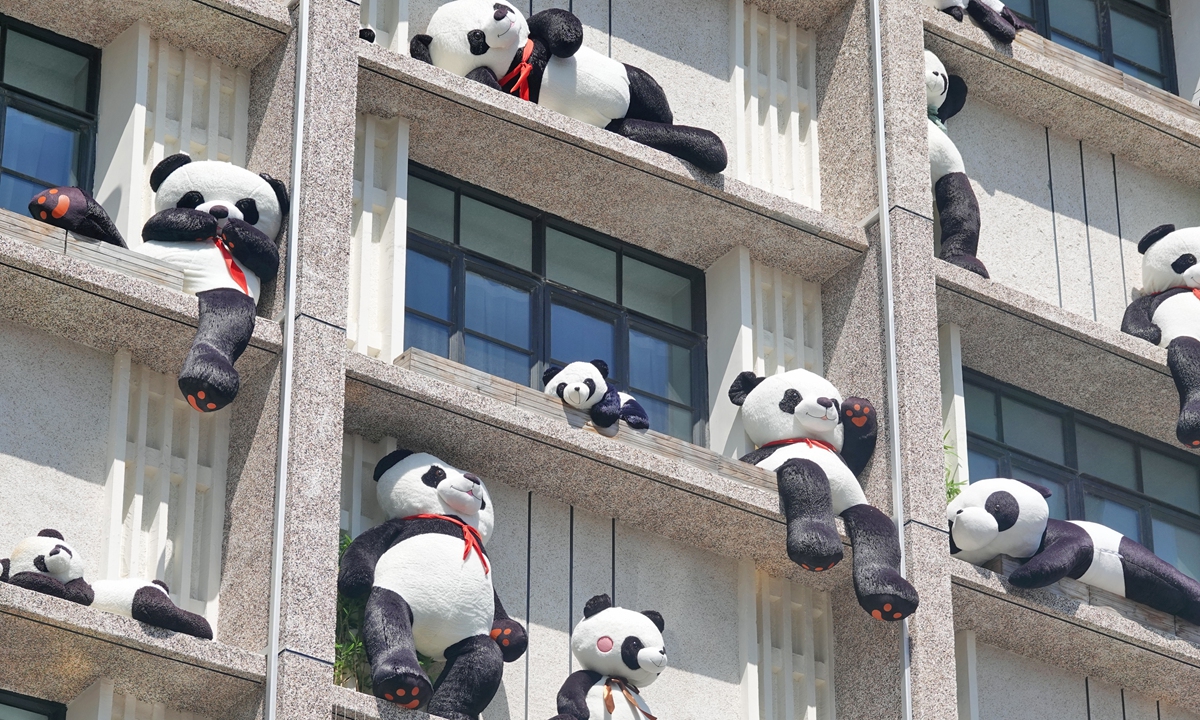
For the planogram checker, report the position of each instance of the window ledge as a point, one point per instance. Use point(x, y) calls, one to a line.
point(38, 631)
point(525, 439)
point(1044, 84)
point(595, 178)
point(350, 704)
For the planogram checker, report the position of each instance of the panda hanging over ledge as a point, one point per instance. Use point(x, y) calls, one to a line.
point(544, 61)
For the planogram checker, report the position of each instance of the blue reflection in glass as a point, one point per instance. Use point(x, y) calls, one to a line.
point(660, 367)
point(497, 360)
point(982, 466)
point(1113, 514)
point(578, 336)
point(668, 419)
point(427, 285)
point(498, 310)
point(426, 335)
point(38, 148)
point(15, 193)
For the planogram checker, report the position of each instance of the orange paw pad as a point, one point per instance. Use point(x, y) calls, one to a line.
point(805, 566)
point(43, 214)
point(64, 204)
point(401, 692)
point(200, 394)
point(54, 191)
point(495, 633)
point(388, 696)
point(887, 607)
point(508, 631)
point(416, 690)
point(897, 616)
point(192, 402)
point(859, 421)
point(504, 642)
point(857, 406)
point(42, 199)
point(410, 705)
point(212, 406)
point(876, 614)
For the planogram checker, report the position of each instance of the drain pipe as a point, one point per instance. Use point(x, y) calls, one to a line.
point(289, 338)
point(889, 329)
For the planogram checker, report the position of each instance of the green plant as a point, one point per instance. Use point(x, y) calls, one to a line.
point(953, 484)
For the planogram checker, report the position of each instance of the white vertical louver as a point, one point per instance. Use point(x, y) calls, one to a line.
point(101, 702)
point(786, 313)
point(360, 506)
point(389, 20)
point(375, 323)
point(775, 104)
point(165, 488)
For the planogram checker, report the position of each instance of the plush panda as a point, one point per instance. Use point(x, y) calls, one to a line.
point(620, 652)
point(992, 15)
point(429, 589)
point(148, 602)
point(585, 386)
point(817, 444)
point(45, 563)
point(1167, 314)
point(218, 223)
point(958, 208)
point(1001, 516)
point(544, 61)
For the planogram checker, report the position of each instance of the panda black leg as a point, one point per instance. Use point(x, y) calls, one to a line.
point(700, 147)
point(1183, 357)
point(396, 675)
point(880, 588)
point(73, 209)
point(1153, 581)
point(208, 379)
point(991, 21)
point(153, 607)
point(1066, 552)
point(958, 209)
point(813, 542)
point(474, 668)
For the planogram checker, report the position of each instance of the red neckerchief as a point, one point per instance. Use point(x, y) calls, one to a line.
point(811, 443)
point(611, 705)
point(1195, 291)
point(235, 270)
point(471, 537)
point(520, 73)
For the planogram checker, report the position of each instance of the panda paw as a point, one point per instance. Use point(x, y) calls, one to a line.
point(407, 688)
point(894, 598)
point(208, 381)
point(968, 262)
point(888, 607)
point(511, 638)
point(861, 414)
point(1187, 429)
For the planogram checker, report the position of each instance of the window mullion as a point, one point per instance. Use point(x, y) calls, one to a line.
point(458, 348)
point(1106, 41)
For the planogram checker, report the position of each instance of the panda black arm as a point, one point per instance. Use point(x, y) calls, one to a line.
point(252, 248)
point(4, 570)
point(357, 573)
point(419, 48)
point(180, 225)
point(1138, 320)
point(608, 410)
point(572, 696)
point(485, 76)
point(1066, 551)
point(78, 591)
point(38, 582)
point(754, 457)
point(861, 425)
point(560, 30)
point(508, 633)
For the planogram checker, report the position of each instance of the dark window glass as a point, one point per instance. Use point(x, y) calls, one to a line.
point(1032, 430)
point(981, 411)
point(982, 466)
point(510, 291)
point(1058, 491)
point(1121, 518)
point(1178, 546)
point(1105, 456)
point(1171, 481)
point(23, 707)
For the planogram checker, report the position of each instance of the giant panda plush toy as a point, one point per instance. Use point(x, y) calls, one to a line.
point(585, 386)
point(1167, 314)
point(620, 652)
point(958, 208)
point(992, 15)
point(47, 564)
point(544, 61)
point(429, 589)
point(1001, 516)
point(218, 223)
point(817, 444)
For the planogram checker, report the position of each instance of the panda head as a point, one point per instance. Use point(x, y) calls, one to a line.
point(1169, 258)
point(49, 554)
point(790, 405)
point(221, 189)
point(615, 641)
point(468, 34)
point(999, 514)
point(419, 483)
point(580, 384)
point(945, 94)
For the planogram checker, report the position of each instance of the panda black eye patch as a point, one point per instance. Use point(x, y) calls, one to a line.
point(478, 42)
point(249, 210)
point(1183, 262)
point(790, 400)
point(629, 652)
point(433, 476)
point(1004, 507)
point(591, 386)
point(191, 199)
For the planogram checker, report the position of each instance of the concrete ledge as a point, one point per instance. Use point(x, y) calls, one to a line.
point(82, 644)
point(1158, 134)
point(109, 310)
point(596, 178)
point(351, 704)
point(1049, 626)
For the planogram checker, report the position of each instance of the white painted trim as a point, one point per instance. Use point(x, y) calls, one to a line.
point(954, 412)
point(94, 703)
point(114, 481)
point(748, 637)
point(966, 665)
point(121, 129)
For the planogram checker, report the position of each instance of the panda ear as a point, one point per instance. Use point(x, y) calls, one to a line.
point(162, 585)
point(1154, 236)
point(388, 461)
point(602, 367)
point(166, 167)
point(956, 98)
point(1045, 491)
point(742, 385)
point(597, 604)
point(655, 618)
point(550, 373)
point(50, 533)
point(418, 49)
point(281, 193)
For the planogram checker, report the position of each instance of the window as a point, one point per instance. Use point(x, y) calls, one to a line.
point(23, 707)
point(49, 90)
point(1134, 36)
point(1144, 489)
point(510, 290)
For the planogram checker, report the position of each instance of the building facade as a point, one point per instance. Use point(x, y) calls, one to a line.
point(451, 242)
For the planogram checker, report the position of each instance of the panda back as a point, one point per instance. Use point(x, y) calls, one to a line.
point(116, 596)
point(587, 86)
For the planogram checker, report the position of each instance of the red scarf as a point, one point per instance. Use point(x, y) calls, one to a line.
point(520, 73)
point(235, 270)
point(811, 443)
point(610, 704)
point(471, 537)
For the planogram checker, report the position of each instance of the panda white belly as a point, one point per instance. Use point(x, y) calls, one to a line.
point(451, 598)
point(202, 263)
point(843, 485)
point(622, 709)
point(116, 596)
point(586, 86)
point(1107, 570)
point(944, 157)
point(1178, 316)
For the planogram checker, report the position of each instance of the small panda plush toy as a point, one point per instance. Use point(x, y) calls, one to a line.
point(817, 444)
point(1001, 516)
point(544, 61)
point(218, 223)
point(1167, 314)
point(585, 386)
point(958, 208)
point(992, 15)
point(429, 589)
point(620, 652)
point(47, 564)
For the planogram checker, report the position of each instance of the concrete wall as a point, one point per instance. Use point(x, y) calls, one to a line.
point(1061, 220)
point(1185, 24)
point(54, 408)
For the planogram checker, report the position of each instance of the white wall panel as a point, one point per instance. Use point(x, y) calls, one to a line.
point(550, 620)
point(101, 702)
point(1109, 288)
point(508, 553)
point(1070, 226)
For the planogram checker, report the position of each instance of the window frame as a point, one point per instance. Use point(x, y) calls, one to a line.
point(52, 710)
point(545, 292)
point(1078, 483)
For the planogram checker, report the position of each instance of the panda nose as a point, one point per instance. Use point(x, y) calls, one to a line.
point(219, 211)
point(501, 12)
point(473, 478)
point(825, 402)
